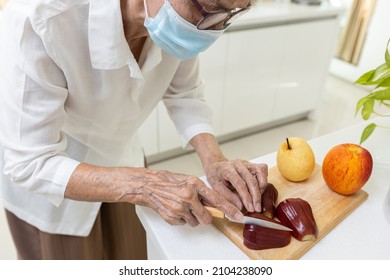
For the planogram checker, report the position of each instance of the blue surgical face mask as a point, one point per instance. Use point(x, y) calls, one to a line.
point(176, 36)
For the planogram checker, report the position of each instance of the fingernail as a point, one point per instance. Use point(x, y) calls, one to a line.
point(250, 206)
point(258, 207)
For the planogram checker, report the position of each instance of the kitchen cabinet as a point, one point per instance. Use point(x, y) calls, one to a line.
point(265, 70)
point(306, 55)
point(252, 72)
point(213, 65)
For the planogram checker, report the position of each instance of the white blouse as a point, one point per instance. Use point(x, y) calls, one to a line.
point(70, 92)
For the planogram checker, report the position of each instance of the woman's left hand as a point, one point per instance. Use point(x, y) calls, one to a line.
point(239, 181)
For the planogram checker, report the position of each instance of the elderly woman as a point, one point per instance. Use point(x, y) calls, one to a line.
point(77, 79)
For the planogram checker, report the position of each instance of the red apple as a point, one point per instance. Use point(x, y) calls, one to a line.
point(346, 168)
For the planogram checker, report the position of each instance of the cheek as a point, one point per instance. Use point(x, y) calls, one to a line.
point(219, 26)
point(187, 11)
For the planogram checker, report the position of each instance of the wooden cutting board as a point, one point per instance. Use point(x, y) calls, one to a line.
point(329, 209)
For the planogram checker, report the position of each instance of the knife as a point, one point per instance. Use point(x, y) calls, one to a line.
point(246, 220)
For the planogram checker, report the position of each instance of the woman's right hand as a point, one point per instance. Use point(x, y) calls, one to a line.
point(177, 198)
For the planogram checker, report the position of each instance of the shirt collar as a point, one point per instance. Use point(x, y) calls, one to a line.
point(107, 43)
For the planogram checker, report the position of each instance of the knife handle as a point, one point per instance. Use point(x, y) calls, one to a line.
point(215, 212)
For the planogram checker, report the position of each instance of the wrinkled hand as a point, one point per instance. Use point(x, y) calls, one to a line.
point(177, 198)
point(248, 179)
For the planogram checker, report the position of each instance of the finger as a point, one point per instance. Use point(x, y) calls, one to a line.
point(178, 217)
point(200, 214)
point(252, 184)
point(160, 208)
point(221, 203)
point(179, 211)
point(240, 185)
point(173, 212)
point(194, 221)
point(261, 172)
point(227, 193)
point(175, 221)
point(189, 215)
point(262, 178)
point(205, 202)
point(188, 207)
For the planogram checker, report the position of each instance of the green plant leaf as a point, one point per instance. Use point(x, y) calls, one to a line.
point(380, 73)
point(360, 103)
point(376, 76)
point(381, 94)
point(365, 78)
point(368, 130)
point(384, 83)
point(368, 108)
point(387, 55)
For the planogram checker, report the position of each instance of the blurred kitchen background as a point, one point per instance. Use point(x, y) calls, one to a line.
point(286, 68)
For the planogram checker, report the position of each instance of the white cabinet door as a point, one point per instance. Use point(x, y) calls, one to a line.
point(307, 51)
point(252, 71)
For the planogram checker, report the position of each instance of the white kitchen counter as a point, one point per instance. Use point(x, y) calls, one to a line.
point(364, 234)
point(265, 13)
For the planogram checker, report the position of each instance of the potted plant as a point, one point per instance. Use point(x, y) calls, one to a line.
point(379, 79)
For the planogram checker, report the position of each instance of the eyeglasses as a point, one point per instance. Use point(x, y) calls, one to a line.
point(211, 19)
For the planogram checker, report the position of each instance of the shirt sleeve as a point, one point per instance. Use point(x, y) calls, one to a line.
point(33, 94)
point(186, 104)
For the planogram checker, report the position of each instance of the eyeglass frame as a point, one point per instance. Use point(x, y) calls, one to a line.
point(229, 14)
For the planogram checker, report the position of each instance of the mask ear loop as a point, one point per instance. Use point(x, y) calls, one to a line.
point(146, 9)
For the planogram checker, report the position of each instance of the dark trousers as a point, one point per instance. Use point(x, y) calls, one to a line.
point(116, 235)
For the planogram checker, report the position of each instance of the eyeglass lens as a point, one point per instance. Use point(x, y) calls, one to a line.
point(212, 19)
point(226, 18)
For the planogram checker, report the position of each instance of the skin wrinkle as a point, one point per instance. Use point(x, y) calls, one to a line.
point(174, 210)
point(163, 196)
point(165, 213)
point(252, 182)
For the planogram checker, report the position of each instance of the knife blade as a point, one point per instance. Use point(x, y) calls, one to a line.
point(246, 220)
